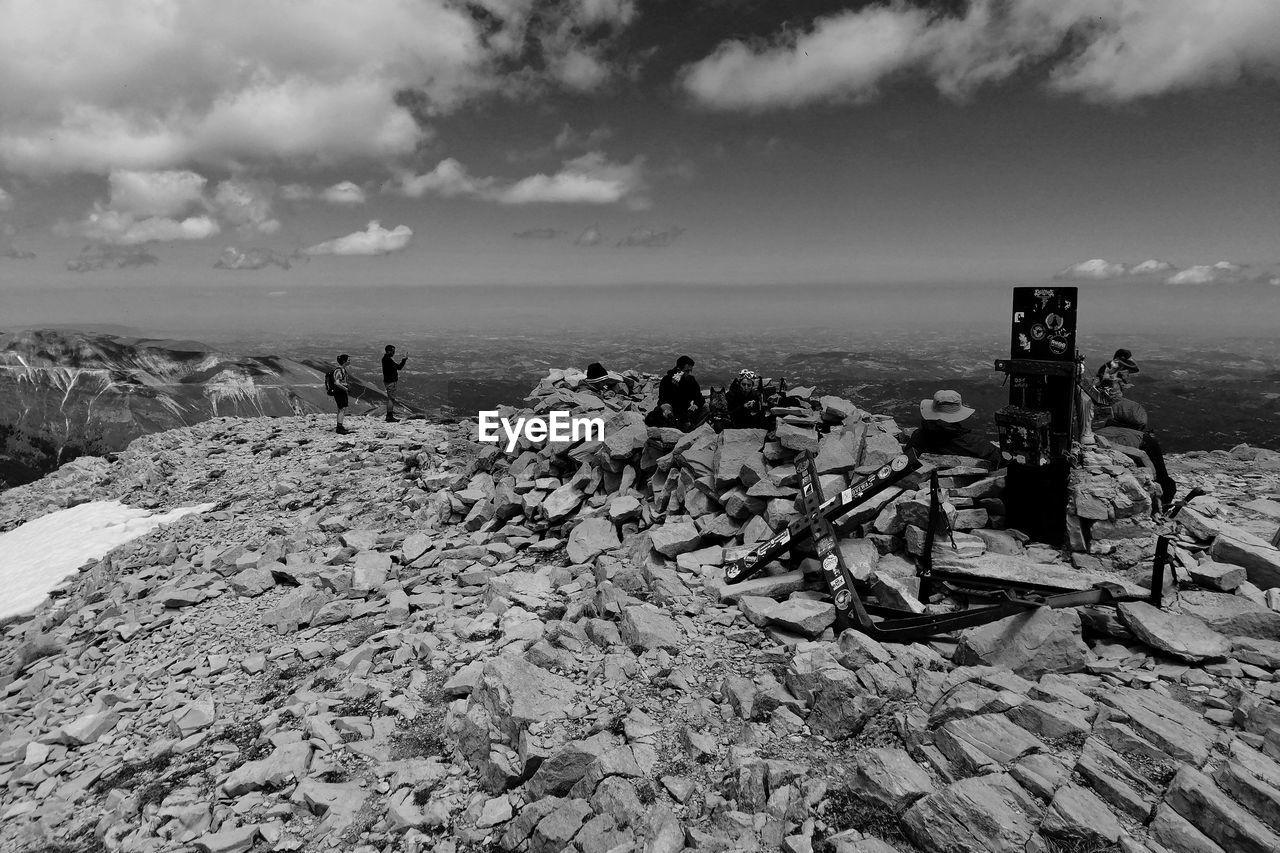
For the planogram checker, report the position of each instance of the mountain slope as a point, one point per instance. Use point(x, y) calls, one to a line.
point(64, 393)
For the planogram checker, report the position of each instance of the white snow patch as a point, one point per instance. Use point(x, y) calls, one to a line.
point(35, 557)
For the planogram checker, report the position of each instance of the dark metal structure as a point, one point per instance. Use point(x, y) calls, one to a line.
point(1037, 427)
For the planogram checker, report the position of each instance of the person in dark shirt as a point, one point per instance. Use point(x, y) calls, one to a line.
point(942, 431)
point(680, 402)
point(390, 376)
point(340, 391)
point(1126, 423)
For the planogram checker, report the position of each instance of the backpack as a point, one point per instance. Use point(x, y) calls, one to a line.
point(329, 386)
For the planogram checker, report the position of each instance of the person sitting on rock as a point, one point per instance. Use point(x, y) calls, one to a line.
point(1126, 424)
point(599, 379)
point(680, 402)
point(1119, 367)
point(942, 431)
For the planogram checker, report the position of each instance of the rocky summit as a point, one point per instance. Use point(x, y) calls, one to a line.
point(405, 640)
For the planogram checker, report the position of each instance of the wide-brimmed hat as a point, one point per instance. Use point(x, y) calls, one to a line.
point(946, 406)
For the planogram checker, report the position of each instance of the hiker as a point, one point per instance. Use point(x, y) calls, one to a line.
point(390, 376)
point(1126, 424)
point(1119, 367)
point(599, 379)
point(336, 385)
point(749, 400)
point(941, 430)
point(680, 402)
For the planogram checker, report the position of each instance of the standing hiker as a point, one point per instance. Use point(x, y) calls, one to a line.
point(335, 384)
point(390, 376)
point(942, 430)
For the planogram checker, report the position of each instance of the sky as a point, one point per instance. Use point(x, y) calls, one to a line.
point(288, 144)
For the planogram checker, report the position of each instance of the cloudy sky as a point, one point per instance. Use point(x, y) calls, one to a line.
point(611, 141)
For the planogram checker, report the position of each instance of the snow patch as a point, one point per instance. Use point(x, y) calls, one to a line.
point(35, 557)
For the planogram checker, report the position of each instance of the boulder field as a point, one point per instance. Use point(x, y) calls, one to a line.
point(406, 640)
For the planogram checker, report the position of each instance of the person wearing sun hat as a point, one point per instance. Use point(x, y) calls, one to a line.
point(942, 430)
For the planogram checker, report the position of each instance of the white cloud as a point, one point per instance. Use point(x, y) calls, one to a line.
point(1152, 266)
point(589, 179)
point(1096, 269)
point(375, 240)
point(1221, 272)
point(1103, 50)
point(94, 86)
point(121, 228)
point(1198, 274)
point(164, 193)
point(118, 83)
point(246, 205)
point(449, 179)
point(6, 200)
point(344, 192)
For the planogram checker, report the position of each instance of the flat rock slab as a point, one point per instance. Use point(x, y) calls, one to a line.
point(675, 538)
point(1013, 567)
point(981, 814)
point(517, 692)
point(890, 777)
point(1259, 560)
point(648, 627)
point(1177, 634)
point(1233, 615)
point(1165, 722)
point(1197, 799)
point(980, 741)
point(591, 537)
point(771, 586)
point(1031, 644)
point(801, 615)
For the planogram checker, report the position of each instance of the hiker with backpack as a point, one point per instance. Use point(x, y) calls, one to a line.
point(335, 385)
point(390, 376)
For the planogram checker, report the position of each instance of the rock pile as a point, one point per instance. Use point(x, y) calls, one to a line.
point(403, 640)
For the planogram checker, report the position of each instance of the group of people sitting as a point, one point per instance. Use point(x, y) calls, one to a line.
point(944, 418)
point(747, 402)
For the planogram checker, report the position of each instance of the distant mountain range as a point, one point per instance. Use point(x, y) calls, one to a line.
point(68, 393)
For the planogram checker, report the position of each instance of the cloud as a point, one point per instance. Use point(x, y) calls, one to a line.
point(163, 193)
point(449, 179)
point(246, 205)
point(1153, 266)
point(1222, 272)
point(249, 259)
point(1096, 269)
point(16, 254)
point(590, 237)
point(92, 87)
point(651, 239)
point(6, 201)
point(589, 179)
point(375, 240)
point(100, 257)
point(1102, 50)
point(344, 192)
point(120, 228)
point(538, 234)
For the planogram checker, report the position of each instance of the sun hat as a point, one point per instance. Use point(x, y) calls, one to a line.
point(946, 406)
